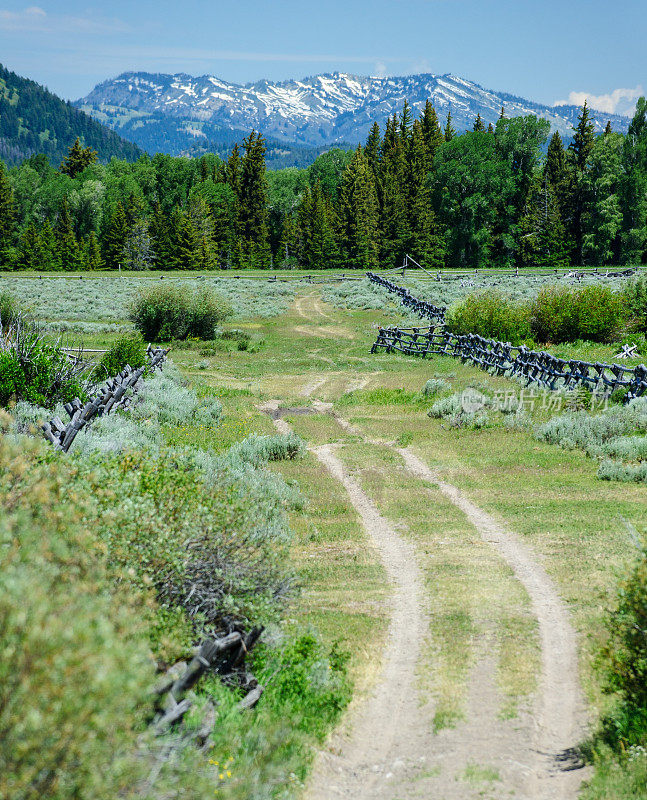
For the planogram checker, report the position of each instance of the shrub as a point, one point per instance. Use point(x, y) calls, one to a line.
point(75, 666)
point(635, 301)
point(127, 350)
point(36, 369)
point(435, 386)
point(594, 313)
point(9, 309)
point(592, 432)
point(625, 654)
point(492, 315)
point(175, 312)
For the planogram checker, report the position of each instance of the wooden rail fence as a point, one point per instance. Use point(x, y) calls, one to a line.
point(502, 358)
point(422, 308)
point(111, 395)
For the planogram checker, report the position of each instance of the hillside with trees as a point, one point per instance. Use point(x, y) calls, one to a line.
point(488, 197)
point(33, 120)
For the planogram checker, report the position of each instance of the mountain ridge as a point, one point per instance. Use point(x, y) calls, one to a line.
point(317, 110)
point(34, 120)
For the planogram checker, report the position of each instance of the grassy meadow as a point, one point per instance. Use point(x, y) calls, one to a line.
point(304, 345)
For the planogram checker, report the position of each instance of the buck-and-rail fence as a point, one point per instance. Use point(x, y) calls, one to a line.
point(502, 358)
point(108, 396)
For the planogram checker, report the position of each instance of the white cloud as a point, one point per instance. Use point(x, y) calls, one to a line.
point(380, 70)
point(619, 101)
point(34, 19)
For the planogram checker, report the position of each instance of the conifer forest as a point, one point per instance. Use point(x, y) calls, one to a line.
point(505, 196)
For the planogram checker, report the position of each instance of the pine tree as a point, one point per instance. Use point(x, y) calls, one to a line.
point(77, 159)
point(395, 230)
point(478, 123)
point(405, 123)
point(583, 139)
point(37, 248)
point(184, 242)
point(160, 239)
point(431, 132)
point(358, 215)
point(7, 214)
point(555, 165)
point(502, 114)
point(373, 146)
point(29, 255)
point(490, 128)
point(542, 240)
point(114, 237)
point(233, 170)
point(69, 252)
point(608, 128)
point(253, 202)
point(92, 256)
point(449, 131)
point(427, 245)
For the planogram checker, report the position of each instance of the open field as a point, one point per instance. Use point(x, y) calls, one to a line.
point(482, 686)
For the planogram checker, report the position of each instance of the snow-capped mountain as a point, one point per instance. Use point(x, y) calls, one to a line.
point(320, 110)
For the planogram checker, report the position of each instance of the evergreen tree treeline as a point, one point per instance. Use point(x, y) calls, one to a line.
point(485, 197)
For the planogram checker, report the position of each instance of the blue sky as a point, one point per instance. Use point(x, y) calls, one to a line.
point(545, 51)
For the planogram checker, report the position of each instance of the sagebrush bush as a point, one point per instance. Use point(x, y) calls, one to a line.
point(9, 309)
point(593, 313)
point(591, 432)
point(128, 350)
point(175, 311)
point(435, 386)
point(490, 314)
point(75, 668)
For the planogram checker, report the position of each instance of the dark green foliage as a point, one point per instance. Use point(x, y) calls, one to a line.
point(176, 312)
point(33, 120)
point(492, 315)
point(36, 369)
point(594, 314)
point(128, 350)
point(635, 304)
point(114, 238)
point(358, 214)
point(77, 159)
point(7, 215)
point(624, 659)
point(486, 197)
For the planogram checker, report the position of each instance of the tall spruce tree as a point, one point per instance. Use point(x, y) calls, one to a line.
point(373, 147)
point(358, 215)
point(578, 155)
point(7, 215)
point(114, 237)
point(431, 131)
point(583, 138)
point(478, 123)
point(634, 187)
point(77, 159)
point(449, 132)
point(92, 253)
point(253, 202)
point(541, 232)
point(69, 252)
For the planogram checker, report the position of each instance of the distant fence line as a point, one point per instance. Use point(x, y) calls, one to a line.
point(111, 395)
point(422, 308)
point(502, 358)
